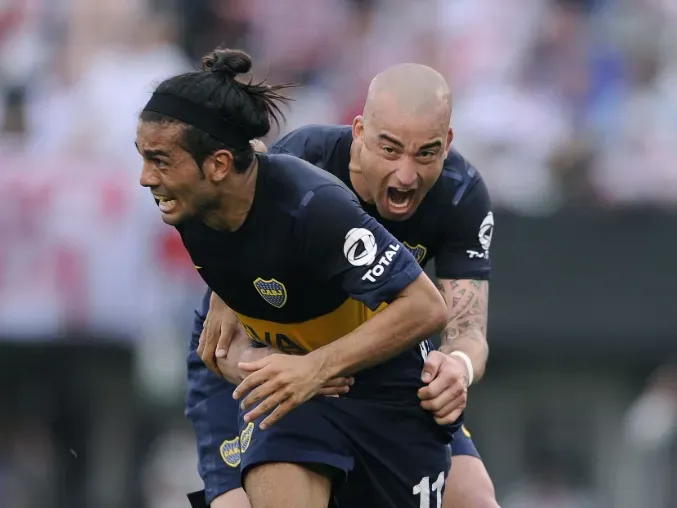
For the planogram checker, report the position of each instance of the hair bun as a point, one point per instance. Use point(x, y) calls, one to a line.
point(227, 62)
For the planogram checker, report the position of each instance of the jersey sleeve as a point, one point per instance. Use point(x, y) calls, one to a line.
point(340, 241)
point(464, 253)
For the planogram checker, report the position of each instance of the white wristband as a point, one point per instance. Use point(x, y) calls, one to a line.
point(468, 364)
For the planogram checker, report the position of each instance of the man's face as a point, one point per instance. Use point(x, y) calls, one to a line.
point(178, 185)
point(400, 157)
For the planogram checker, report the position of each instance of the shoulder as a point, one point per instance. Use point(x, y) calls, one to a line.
point(297, 183)
point(318, 144)
point(463, 209)
point(458, 181)
point(313, 136)
point(458, 178)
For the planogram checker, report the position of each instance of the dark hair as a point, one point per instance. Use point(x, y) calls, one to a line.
point(251, 106)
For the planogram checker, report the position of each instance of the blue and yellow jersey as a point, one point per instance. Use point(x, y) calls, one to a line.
point(292, 288)
point(308, 265)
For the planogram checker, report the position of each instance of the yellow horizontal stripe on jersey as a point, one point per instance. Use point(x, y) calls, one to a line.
point(308, 335)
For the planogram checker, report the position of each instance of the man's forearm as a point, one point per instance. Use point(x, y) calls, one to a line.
point(466, 331)
point(472, 344)
point(409, 319)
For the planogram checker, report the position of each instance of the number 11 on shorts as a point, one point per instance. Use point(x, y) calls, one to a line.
point(423, 490)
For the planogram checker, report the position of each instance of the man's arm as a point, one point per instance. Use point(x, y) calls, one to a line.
point(462, 266)
point(462, 356)
point(468, 303)
point(416, 313)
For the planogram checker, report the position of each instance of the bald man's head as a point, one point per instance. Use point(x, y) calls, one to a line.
point(411, 90)
point(402, 138)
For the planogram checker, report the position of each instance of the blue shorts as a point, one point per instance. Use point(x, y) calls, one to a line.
point(463, 444)
point(384, 451)
point(213, 413)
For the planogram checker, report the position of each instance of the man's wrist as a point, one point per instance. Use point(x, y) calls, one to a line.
point(468, 364)
point(324, 365)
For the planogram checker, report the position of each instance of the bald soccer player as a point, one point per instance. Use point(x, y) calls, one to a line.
point(438, 207)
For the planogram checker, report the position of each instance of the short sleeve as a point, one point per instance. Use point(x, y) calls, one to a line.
point(340, 241)
point(464, 253)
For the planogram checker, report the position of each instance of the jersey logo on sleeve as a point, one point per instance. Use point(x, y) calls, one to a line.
point(230, 452)
point(375, 272)
point(485, 235)
point(272, 291)
point(419, 251)
point(486, 231)
point(360, 247)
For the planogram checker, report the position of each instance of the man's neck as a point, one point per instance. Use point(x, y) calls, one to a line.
point(236, 200)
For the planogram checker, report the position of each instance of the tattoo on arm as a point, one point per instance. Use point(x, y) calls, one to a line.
point(468, 302)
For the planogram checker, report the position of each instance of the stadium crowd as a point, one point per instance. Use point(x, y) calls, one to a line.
point(560, 103)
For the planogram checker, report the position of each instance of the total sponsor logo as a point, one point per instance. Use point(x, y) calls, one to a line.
point(377, 270)
point(484, 235)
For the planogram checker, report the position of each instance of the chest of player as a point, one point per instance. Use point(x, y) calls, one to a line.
point(421, 239)
point(422, 234)
point(261, 274)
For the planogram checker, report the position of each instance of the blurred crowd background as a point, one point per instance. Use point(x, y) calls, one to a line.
point(567, 107)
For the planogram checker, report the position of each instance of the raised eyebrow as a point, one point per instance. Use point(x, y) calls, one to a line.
point(391, 140)
point(428, 146)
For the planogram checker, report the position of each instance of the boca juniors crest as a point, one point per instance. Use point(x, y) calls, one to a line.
point(230, 452)
point(419, 251)
point(272, 291)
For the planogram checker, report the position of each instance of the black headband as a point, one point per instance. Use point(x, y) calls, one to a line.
point(205, 119)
